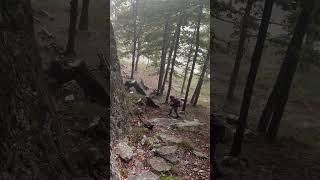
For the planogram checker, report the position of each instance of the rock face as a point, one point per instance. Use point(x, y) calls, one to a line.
point(200, 154)
point(170, 138)
point(188, 124)
point(124, 151)
point(118, 113)
point(168, 153)
point(147, 175)
point(159, 164)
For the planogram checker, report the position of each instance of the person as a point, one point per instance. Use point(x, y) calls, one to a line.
point(175, 104)
point(218, 132)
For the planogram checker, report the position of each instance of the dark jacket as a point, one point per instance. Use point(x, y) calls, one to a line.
point(175, 103)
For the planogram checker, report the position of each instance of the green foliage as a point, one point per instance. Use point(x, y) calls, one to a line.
point(164, 176)
point(187, 145)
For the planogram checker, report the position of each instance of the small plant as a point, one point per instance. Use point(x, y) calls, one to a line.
point(139, 131)
point(164, 176)
point(187, 145)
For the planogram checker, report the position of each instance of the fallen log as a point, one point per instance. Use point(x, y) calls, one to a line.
point(136, 86)
point(93, 84)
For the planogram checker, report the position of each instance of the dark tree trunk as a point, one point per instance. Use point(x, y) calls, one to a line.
point(138, 55)
point(163, 55)
point(241, 49)
point(255, 62)
point(173, 61)
point(168, 66)
point(72, 27)
point(196, 94)
point(187, 65)
point(195, 55)
point(135, 14)
point(29, 129)
point(84, 18)
point(288, 70)
point(266, 114)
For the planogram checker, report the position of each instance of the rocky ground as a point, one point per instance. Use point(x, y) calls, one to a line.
point(161, 147)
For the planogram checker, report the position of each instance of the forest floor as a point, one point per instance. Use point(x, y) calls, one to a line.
point(296, 154)
point(174, 148)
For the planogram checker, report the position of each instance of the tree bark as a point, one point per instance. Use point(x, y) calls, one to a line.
point(138, 55)
point(168, 66)
point(196, 94)
point(195, 55)
point(288, 70)
point(135, 14)
point(241, 49)
point(187, 65)
point(84, 18)
point(255, 62)
point(163, 55)
point(72, 27)
point(29, 130)
point(173, 61)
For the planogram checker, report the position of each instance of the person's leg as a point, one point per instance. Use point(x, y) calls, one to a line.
point(176, 111)
point(170, 111)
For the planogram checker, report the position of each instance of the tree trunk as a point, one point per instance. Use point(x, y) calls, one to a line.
point(255, 62)
point(288, 70)
point(135, 14)
point(138, 55)
point(195, 55)
point(29, 129)
point(84, 18)
point(173, 61)
point(241, 49)
point(163, 55)
point(168, 66)
point(187, 65)
point(72, 27)
point(196, 94)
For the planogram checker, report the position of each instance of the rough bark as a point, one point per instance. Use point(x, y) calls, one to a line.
point(134, 48)
point(195, 55)
point(84, 17)
point(163, 54)
point(288, 70)
point(241, 49)
point(255, 62)
point(187, 65)
point(173, 61)
point(168, 66)
point(196, 94)
point(29, 130)
point(70, 49)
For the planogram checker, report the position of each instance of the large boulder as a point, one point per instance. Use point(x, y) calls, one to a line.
point(124, 151)
point(159, 164)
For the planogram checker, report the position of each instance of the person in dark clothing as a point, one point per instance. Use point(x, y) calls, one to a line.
point(175, 104)
point(218, 133)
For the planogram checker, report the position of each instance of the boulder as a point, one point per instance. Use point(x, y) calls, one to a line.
point(124, 151)
point(170, 138)
point(159, 164)
point(147, 175)
point(188, 124)
point(200, 154)
point(168, 153)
